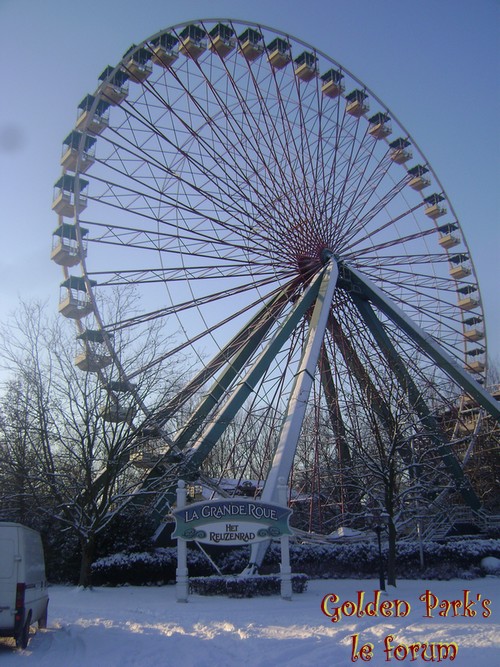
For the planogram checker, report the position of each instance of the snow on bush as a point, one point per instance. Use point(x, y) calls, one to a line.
point(245, 587)
point(460, 558)
point(491, 565)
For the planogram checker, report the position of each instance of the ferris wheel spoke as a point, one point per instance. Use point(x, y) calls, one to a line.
point(196, 234)
point(234, 144)
point(158, 274)
point(194, 303)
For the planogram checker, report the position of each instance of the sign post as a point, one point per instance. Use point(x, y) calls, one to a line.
point(181, 573)
point(285, 569)
point(230, 522)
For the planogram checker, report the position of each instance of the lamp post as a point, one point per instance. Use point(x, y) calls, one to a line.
point(379, 520)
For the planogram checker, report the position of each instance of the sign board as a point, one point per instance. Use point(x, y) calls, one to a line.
point(231, 522)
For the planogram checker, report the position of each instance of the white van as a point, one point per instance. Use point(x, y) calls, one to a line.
point(23, 588)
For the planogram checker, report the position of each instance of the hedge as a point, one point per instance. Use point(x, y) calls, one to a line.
point(244, 587)
point(457, 559)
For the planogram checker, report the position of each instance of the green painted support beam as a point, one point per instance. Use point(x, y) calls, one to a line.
point(255, 333)
point(424, 341)
point(417, 401)
point(241, 392)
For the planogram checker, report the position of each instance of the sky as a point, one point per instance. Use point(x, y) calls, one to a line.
point(132, 626)
point(435, 64)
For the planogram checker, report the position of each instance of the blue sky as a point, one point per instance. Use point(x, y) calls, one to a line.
point(435, 64)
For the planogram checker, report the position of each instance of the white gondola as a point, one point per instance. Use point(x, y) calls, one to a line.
point(459, 268)
point(66, 250)
point(475, 366)
point(94, 121)
point(332, 83)
point(473, 332)
point(306, 66)
point(250, 44)
point(279, 54)
point(433, 207)
point(71, 158)
point(192, 42)
point(379, 126)
point(116, 413)
point(418, 180)
point(221, 40)
point(94, 354)
point(447, 238)
point(75, 301)
point(165, 50)
point(138, 65)
point(449, 241)
point(114, 87)
point(357, 105)
point(466, 300)
point(66, 202)
point(399, 151)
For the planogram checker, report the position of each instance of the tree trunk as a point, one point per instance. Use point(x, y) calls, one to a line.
point(88, 549)
point(391, 556)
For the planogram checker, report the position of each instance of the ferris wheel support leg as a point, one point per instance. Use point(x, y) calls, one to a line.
point(213, 432)
point(417, 401)
point(255, 333)
point(265, 315)
point(377, 402)
point(425, 342)
point(297, 402)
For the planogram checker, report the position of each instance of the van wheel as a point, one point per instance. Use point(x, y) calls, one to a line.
point(42, 621)
point(23, 638)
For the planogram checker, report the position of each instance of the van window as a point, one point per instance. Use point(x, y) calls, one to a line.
point(6, 558)
point(35, 569)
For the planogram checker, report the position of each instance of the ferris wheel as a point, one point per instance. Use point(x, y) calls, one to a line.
point(273, 217)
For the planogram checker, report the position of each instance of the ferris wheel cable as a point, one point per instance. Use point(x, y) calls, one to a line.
point(331, 182)
point(359, 252)
point(271, 310)
point(425, 280)
point(153, 275)
point(412, 295)
point(146, 159)
point(276, 140)
point(160, 200)
point(277, 137)
point(186, 305)
point(409, 259)
point(128, 231)
point(299, 152)
point(364, 187)
point(213, 240)
point(177, 273)
point(359, 223)
point(337, 198)
point(226, 140)
point(199, 234)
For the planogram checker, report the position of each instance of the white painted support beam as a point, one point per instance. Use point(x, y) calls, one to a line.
point(304, 377)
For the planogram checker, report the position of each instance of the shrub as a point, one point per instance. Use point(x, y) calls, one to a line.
point(457, 559)
point(245, 587)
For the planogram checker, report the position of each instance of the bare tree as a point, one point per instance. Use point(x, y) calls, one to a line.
point(67, 446)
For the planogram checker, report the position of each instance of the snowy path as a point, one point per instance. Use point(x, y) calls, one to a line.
point(146, 627)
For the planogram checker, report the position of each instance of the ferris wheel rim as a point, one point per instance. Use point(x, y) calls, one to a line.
point(99, 96)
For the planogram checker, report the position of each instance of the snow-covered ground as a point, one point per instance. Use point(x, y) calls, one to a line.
point(146, 627)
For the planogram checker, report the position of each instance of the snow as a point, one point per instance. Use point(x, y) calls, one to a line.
point(491, 564)
point(145, 626)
